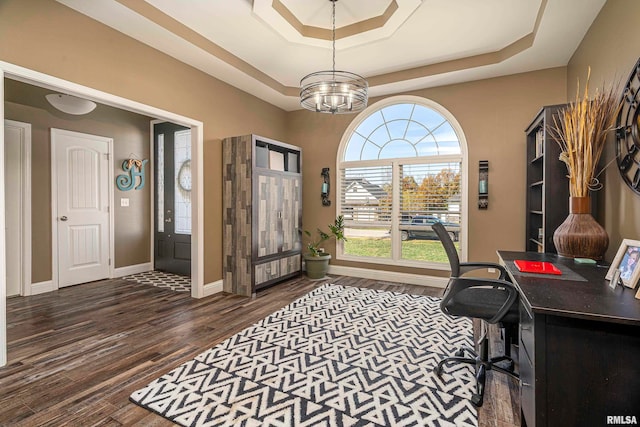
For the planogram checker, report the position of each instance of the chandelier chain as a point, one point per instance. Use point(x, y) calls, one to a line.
point(332, 91)
point(333, 34)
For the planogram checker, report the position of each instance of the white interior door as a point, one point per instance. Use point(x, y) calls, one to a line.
point(17, 142)
point(80, 177)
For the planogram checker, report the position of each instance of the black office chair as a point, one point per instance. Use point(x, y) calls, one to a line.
point(490, 300)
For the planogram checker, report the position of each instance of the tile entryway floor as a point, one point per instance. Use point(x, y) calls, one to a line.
point(164, 280)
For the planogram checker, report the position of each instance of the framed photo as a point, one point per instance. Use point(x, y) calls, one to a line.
point(627, 260)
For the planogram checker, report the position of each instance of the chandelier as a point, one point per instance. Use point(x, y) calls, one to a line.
point(334, 92)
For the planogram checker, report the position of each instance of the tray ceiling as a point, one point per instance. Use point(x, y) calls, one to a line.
point(265, 47)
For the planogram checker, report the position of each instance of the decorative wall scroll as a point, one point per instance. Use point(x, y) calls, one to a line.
point(127, 181)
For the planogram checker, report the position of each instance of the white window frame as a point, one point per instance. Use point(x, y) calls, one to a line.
point(463, 158)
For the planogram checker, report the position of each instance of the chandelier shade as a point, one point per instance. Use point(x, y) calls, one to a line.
point(332, 91)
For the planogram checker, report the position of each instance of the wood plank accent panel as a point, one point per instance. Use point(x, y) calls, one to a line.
point(237, 214)
point(75, 355)
point(262, 212)
point(267, 271)
point(268, 206)
point(291, 212)
point(290, 265)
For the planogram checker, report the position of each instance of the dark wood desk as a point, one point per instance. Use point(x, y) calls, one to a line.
point(579, 354)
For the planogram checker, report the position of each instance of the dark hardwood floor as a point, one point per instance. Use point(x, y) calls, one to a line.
point(75, 355)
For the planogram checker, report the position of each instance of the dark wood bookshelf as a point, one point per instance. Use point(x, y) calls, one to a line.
point(547, 185)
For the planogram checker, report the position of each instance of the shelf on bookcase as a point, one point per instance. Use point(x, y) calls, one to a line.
point(535, 241)
point(537, 158)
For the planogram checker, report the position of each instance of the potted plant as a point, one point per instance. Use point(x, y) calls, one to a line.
point(581, 131)
point(317, 261)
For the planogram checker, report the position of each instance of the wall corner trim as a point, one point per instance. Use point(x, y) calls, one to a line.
point(390, 276)
point(132, 269)
point(42, 287)
point(212, 288)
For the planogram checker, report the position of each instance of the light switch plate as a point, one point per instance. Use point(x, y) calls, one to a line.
point(124, 202)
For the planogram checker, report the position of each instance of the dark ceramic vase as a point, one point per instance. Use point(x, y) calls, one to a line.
point(580, 236)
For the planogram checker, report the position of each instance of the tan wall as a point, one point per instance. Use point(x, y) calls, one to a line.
point(46, 36)
point(130, 133)
point(49, 37)
point(611, 48)
point(493, 115)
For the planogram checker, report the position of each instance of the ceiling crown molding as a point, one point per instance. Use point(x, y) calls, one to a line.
point(275, 14)
point(310, 31)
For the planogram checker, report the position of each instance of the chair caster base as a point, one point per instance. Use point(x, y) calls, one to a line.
point(482, 364)
point(477, 400)
point(438, 371)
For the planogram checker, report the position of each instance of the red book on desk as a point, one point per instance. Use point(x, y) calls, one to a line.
point(541, 267)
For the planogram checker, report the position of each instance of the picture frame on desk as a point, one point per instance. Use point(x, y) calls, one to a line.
point(627, 260)
point(615, 280)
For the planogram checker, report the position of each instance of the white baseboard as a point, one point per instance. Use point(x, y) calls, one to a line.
point(390, 276)
point(42, 287)
point(132, 269)
point(212, 288)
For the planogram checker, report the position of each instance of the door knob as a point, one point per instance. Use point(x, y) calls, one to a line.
point(63, 218)
point(167, 220)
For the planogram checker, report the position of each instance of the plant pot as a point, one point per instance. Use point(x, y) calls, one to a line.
point(317, 266)
point(580, 236)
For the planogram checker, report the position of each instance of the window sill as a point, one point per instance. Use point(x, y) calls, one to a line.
point(391, 263)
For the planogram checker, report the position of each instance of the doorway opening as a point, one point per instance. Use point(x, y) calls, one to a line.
point(14, 72)
point(194, 165)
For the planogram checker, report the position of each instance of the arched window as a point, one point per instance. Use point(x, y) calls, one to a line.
point(400, 169)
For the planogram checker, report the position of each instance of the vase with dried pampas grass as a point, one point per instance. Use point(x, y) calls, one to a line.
point(581, 129)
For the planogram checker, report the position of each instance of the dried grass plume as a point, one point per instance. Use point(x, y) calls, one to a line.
point(581, 130)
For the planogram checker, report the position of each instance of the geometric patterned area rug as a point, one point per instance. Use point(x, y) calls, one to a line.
point(338, 356)
point(161, 279)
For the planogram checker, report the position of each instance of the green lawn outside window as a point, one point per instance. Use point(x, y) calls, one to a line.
point(419, 250)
